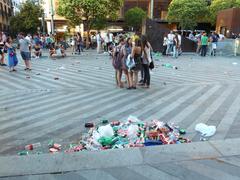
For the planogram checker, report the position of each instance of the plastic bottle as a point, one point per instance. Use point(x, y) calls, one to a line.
point(32, 146)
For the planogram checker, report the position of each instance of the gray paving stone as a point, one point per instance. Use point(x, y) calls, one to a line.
point(178, 152)
point(96, 175)
point(179, 171)
point(68, 162)
point(125, 173)
point(152, 173)
point(222, 166)
point(229, 147)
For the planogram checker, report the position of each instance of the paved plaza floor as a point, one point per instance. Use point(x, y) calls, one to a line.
point(57, 97)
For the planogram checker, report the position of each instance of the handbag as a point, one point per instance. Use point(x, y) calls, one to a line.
point(151, 65)
point(130, 62)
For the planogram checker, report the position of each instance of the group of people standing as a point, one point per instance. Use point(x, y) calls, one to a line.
point(104, 42)
point(172, 44)
point(77, 44)
point(7, 47)
point(205, 43)
point(131, 56)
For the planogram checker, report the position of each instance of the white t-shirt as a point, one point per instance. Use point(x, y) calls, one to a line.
point(171, 37)
point(179, 39)
point(58, 52)
point(165, 41)
point(106, 39)
point(24, 44)
point(99, 39)
point(110, 37)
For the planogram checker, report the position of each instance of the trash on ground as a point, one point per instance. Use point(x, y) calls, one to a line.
point(61, 68)
point(234, 63)
point(23, 153)
point(156, 56)
point(30, 147)
point(205, 130)
point(117, 135)
point(168, 65)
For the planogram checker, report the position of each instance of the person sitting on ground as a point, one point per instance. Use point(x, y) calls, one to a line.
point(37, 50)
point(63, 51)
point(57, 53)
point(51, 51)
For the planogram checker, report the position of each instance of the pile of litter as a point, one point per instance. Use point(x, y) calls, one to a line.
point(117, 135)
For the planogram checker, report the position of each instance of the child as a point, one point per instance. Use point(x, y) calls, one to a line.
point(12, 58)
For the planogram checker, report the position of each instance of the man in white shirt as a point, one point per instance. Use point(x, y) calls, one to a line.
point(170, 42)
point(99, 42)
point(180, 44)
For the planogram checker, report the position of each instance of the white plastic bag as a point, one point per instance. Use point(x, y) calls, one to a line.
point(205, 130)
point(106, 131)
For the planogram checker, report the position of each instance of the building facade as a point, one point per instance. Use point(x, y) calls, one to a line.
point(5, 14)
point(159, 9)
point(60, 23)
point(228, 22)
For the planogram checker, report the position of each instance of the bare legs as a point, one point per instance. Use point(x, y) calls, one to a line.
point(27, 64)
point(118, 76)
point(133, 79)
point(2, 59)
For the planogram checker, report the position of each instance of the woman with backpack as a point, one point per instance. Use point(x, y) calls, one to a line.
point(146, 60)
point(117, 62)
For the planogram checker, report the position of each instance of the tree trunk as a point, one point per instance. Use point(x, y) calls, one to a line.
point(88, 31)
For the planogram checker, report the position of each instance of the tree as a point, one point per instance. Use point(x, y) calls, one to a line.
point(27, 19)
point(187, 12)
point(91, 12)
point(134, 17)
point(218, 5)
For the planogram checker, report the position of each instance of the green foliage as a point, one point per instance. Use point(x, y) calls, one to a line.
point(99, 23)
point(218, 5)
point(27, 20)
point(90, 11)
point(134, 17)
point(187, 12)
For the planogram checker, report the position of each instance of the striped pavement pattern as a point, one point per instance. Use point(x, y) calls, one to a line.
point(40, 108)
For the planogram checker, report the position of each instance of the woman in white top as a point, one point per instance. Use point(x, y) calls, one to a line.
point(146, 48)
point(165, 43)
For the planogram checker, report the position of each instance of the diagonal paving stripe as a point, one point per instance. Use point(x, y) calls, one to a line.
point(162, 100)
point(114, 112)
point(209, 171)
point(192, 107)
point(203, 118)
point(57, 111)
point(174, 104)
point(152, 173)
point(227, 121)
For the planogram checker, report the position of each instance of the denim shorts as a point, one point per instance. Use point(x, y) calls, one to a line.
point(26, 55)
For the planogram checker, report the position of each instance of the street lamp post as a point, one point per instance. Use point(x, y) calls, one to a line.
point(52, 17)
point(151, 8)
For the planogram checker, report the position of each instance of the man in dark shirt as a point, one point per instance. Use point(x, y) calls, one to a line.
point(214, 39)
